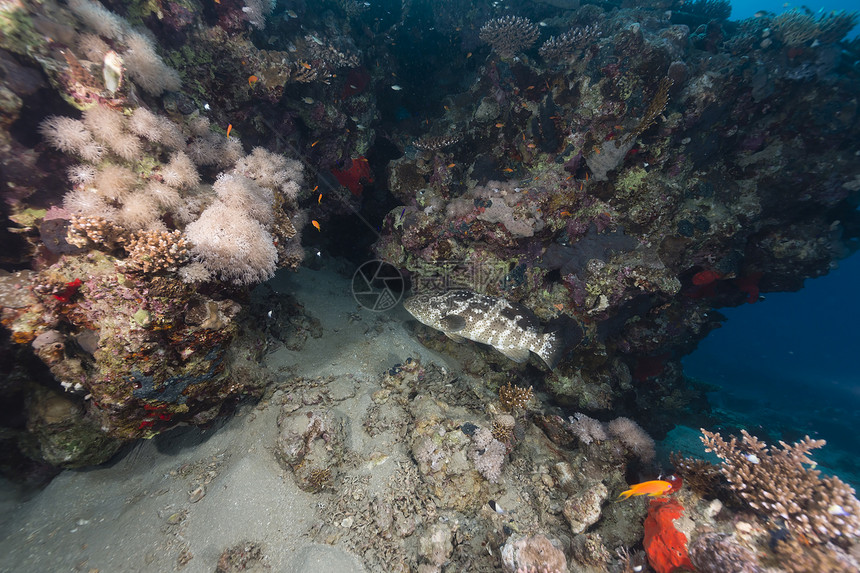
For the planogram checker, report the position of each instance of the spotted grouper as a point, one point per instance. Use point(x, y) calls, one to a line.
point(510, 328)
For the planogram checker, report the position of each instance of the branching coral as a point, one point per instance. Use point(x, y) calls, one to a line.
point(153, 251)
point(561, 47)
point(515, 397)
point(797, 28)
point(698, 475)
point(781, 484)
point(509, 35)
point(97, 231)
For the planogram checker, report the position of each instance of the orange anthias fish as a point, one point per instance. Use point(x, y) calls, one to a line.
point(653, 488)
point(316, 224)
point(252, 80)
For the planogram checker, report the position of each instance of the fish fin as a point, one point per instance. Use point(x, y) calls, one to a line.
point(519, 355)
point(625, 494)
point(563, 335)
point(453, 323)
point(455, 337)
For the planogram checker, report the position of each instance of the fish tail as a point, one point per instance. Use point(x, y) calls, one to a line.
point(624, 495)
point(563, 335)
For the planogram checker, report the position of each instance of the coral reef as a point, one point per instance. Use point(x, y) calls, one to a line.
point(634, 178)
point(157, 200)
point(619, 171)
point(782, 484)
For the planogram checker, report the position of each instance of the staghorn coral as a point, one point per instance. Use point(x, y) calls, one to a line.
point(834, 26)
point(781, 484)
point(509, 35)
point(503, 429)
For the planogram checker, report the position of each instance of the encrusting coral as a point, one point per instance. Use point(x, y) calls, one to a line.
point(780, 483)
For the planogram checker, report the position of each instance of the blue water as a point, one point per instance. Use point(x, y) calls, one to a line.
point(788, 366)
point(742, 10)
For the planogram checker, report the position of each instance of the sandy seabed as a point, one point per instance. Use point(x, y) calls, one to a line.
point(179, 500)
